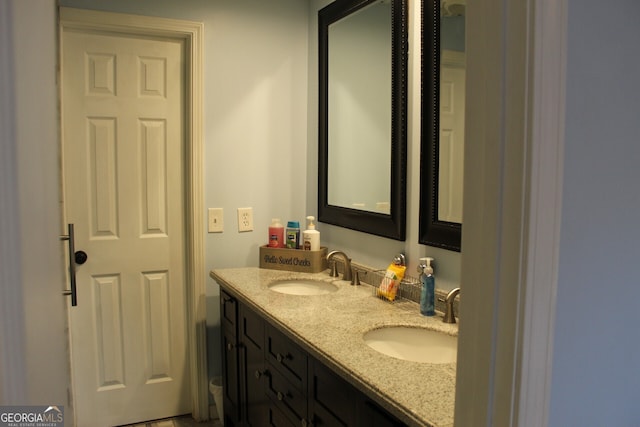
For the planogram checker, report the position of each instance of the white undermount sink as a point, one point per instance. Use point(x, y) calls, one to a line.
point(413, 344)
point(302, 287)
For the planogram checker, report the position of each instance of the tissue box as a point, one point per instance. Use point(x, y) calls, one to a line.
point(293, 259)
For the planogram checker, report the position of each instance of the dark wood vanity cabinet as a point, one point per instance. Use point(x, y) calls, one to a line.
point(243, 364)
point(230, 359)
point(286, 376)
point(370, 414)
point(332, 401)
point(268, 380)
point(252, 367)
point(335, 402)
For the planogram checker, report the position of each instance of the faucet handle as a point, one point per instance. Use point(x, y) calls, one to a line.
point(334, 269)
point(355, 279)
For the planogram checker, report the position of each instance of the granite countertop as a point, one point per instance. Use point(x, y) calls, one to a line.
point(330, 327)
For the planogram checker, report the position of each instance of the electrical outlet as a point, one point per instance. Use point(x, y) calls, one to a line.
point(216, 220)
point(245, 219)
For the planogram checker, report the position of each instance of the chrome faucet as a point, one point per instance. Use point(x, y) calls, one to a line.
point(347, 274)
point(448, 312)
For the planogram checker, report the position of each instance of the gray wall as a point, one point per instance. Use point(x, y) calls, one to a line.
point(596, 380)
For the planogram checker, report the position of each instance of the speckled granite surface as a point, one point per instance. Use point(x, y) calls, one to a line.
point(330, 327)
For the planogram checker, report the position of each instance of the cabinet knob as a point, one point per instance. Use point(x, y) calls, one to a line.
point(280, 358)
point(229, 346)
point(280, 396)
point(258, 374)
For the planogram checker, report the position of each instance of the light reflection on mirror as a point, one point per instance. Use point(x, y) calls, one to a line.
point(359, 109)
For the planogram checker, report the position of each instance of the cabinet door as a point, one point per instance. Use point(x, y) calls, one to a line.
point(230, 379)
point(371, 415)
point(331, 399)
point(252, 366)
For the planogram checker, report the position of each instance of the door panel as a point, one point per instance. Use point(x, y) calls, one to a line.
point(123, 163)
point(451, 142)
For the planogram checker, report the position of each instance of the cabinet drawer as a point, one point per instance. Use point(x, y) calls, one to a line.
point(288, 398)
point(286, 357)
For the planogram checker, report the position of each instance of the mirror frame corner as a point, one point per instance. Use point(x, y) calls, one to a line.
point(432, 231)
point(391, 226)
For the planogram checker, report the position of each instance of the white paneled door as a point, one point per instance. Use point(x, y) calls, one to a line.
point(123, 161)
point(451, 141)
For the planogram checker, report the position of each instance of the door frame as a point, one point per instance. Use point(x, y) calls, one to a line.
point(191, 33)
point(516, 84)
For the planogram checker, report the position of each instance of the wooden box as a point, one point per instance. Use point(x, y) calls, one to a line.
point(293, 259)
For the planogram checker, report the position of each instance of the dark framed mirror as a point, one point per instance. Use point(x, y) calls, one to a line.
point(362, 135)
point(442, 123)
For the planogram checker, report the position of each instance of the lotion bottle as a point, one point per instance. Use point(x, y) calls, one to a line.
point(427, 294)
point(311, 236)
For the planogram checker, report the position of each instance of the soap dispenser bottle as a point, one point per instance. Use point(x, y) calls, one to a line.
point(311, 236)
point(427, 294)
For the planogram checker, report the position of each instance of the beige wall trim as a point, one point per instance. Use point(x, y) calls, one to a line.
point(192, 34)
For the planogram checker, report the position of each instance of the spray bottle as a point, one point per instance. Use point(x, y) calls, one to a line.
point(427, 294)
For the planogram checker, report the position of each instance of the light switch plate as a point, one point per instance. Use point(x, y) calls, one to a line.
point(216, 220)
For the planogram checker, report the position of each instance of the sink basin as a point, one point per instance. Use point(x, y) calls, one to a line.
point(302, 287)
point(413, 344)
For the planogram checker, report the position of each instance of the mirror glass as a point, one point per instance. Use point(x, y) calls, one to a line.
point(362, 121)
point(443, 138)
point(359, 109)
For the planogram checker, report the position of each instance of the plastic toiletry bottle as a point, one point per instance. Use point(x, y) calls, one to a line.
point(276, 234)
point(427, 295)
point(311, 236)
point(293, 235)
